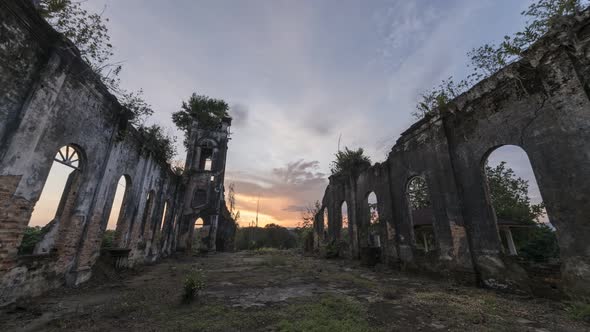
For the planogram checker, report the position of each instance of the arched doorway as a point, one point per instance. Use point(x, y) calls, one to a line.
point(524, 226)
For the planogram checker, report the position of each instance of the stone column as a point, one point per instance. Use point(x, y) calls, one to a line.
point(510, 241)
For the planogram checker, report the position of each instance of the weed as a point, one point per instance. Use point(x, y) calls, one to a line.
point(193, 284)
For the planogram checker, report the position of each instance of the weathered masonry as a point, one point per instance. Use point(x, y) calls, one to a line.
point(541, 104)
point(52, 107)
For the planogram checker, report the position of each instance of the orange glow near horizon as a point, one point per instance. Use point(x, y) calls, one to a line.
point(270, 211)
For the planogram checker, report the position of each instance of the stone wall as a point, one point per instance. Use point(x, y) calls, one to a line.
point(540, 104)
point(49, 99)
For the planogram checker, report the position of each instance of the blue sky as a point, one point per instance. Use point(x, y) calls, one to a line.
point(300, 74)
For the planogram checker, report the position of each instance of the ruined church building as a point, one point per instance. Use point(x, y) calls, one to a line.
point(541, 104)
point(52, 108)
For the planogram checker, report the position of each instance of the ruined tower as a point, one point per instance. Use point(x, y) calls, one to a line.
point(204, 192)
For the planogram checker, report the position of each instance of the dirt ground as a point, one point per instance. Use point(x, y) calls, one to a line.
point(281, 291)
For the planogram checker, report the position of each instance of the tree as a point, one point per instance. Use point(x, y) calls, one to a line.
point(207, 111)
point(489, 58)
point(509, 195)
point(349, 161)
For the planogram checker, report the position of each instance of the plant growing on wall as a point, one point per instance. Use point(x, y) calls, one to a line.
point(157, 142)
point(489, 58)
point(88, 31)
point(208, 112)
point(349, 161)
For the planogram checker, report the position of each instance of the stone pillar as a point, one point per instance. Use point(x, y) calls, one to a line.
point(510, 241)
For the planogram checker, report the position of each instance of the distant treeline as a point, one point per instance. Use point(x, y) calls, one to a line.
point(269, 236)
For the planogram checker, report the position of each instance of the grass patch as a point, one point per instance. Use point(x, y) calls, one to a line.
point(330, 313)
point(579, 311)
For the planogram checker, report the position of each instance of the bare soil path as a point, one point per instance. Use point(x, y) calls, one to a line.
point(281, 291)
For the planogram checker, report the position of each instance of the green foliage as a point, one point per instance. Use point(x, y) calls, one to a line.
point(579, 311)
point(271, 236)
point(418, 195)
point(193, 284)
point(541, 15)
point(207, 111)
point(509, 195)
point(349, 161)
point(437, 98)
point(539, 244)
point(489, 58)
point(86, 30)
point(160, 144)
point(31, 237)
point(108, 239)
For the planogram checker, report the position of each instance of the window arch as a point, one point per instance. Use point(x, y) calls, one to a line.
point(344, 222)
point(164, 212)
point(55, 202)
point(114, 224)
point(373, 218)
point(118, 204)
point(326, 222)
point(149, 202)
point(207, 147)
point(198, 233)
point(421, 213)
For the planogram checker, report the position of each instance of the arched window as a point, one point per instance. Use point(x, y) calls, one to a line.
point(326, 221)
point(513, 193)
point(149, 202)
point(421, 214)
point(197, 234)
point(121, 192)
point(164, 216)
point(374, 235)
point(116, 216)
point(52, 206)
point(207, 147)
point(344, 233)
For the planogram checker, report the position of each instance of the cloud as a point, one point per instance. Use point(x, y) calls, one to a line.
point(283, 192)
point(299, 172)
point(295, 208)
point(239, 114)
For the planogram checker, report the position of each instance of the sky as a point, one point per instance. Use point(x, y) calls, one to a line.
point(300, 77)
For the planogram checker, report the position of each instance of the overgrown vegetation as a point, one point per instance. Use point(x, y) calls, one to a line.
point(489, 58)
point(157, 142)
point(31, 236)
point(88, 31)
point(108, 239)
point(194, 283)
point(208, 112)
point(349, 161)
